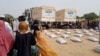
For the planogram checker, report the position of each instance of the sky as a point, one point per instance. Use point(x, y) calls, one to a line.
point(17, 7)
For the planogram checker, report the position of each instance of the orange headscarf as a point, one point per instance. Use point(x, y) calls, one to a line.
point(23, 27)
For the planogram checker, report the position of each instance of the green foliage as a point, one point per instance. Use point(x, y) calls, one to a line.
point(77, 17)
point(8, 17)
point(90, 16)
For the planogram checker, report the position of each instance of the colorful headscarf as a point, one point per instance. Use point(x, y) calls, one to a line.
point(5, 38)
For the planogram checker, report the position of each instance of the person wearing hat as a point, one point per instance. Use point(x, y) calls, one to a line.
point(6, 38)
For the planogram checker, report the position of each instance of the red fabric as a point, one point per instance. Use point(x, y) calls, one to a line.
point(6, 40)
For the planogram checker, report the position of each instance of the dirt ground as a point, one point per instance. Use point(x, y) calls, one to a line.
point(84, 48)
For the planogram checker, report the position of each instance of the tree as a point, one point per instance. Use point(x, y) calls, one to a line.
point(8, 17)
point(79, 18)
point(90, 16)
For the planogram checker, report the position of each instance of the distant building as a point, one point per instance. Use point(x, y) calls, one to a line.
point(43, 13)
point(66, 15)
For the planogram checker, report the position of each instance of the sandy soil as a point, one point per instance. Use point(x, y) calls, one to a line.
point(84, 48)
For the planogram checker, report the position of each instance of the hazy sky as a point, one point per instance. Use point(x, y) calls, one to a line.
point(17, 7)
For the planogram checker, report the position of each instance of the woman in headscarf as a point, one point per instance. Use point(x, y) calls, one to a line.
point(6, 40)
point(45, 47)
point(24, 40)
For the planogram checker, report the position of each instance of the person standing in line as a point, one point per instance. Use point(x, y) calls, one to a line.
point(6, 39)
point(9, 29)
point(17, 21)
point(44, 47)
point(24, 40)
point(7, 25)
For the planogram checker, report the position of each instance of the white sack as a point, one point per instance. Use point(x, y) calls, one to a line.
point(53, 30)
point(65, 36)
point(75, 39)
point(58, 33)
point(97, 48)
point(78, 32)
point(61, 41)
point(93, 39)
point(60, 30)
point(89, 34)
point(67, 32)
point(52, 36)
point(79, 35)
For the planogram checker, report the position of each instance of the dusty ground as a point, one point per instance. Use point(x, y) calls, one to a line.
point(84, 48)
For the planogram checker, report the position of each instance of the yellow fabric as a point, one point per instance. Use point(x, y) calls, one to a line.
point(44, 47)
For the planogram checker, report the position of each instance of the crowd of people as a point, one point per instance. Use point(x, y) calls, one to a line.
point(23, 40)
point(20, 40)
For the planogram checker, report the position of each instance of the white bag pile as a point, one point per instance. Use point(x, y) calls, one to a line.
point(52, 36)
point(48, 33)
point(65, 36)
point(91, 30)
point(45, 31)
point(53, 30)
point(78, 32)
point(97, 48)
point(97, 33)
point(60, 30)
point(79, 35)
point(76, 29)
point(93, 39)
point(58, 33)
point(61, 41)
point(67, 32)
point(76, 39)
point(85, 31)
point(89, 34)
